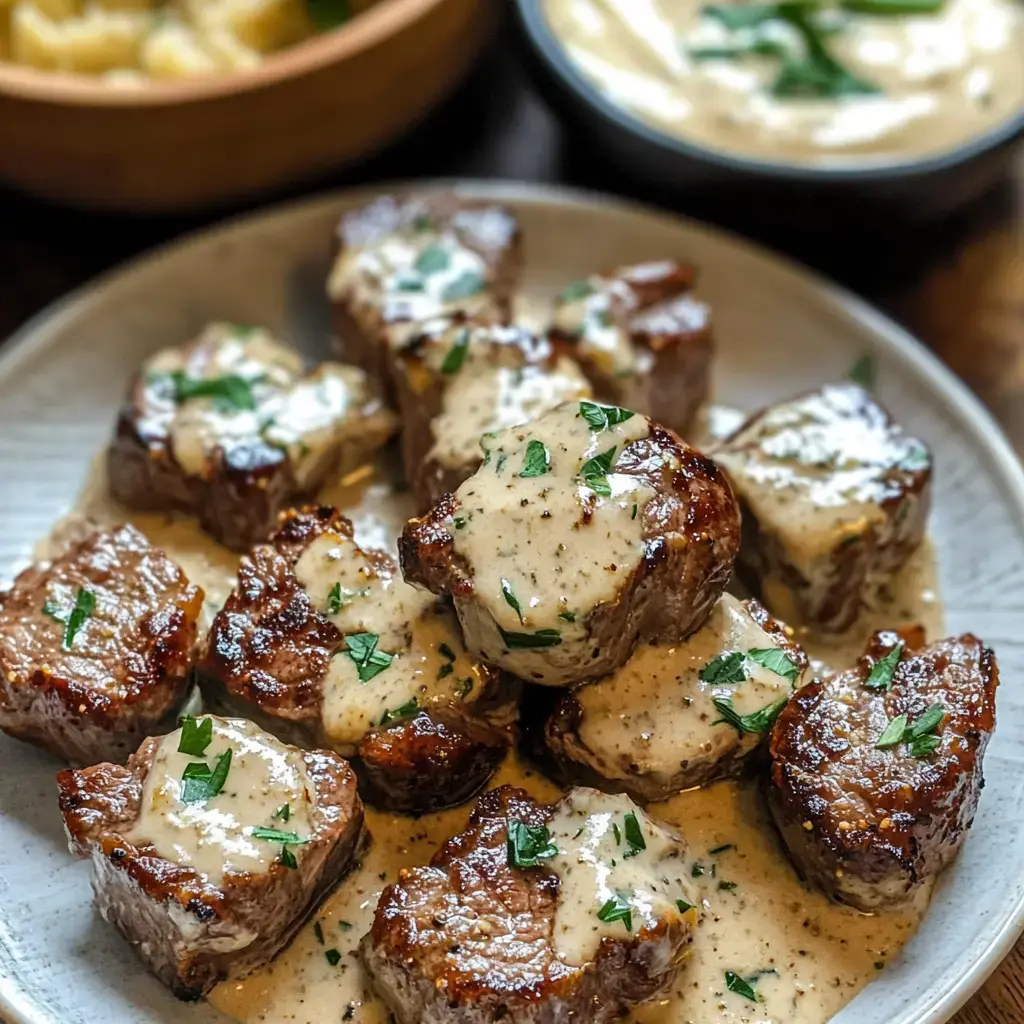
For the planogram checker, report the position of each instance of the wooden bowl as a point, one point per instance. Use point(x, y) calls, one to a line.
point(169, 145)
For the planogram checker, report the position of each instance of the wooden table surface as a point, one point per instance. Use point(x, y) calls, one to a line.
point(958, 285)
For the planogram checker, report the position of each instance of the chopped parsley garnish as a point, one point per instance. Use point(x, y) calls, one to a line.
point(510, 598)
point(333, 957)
point(526, 641)
point(756, 722)
point(880, 676)
point(318, 931)
point(528, 845)
point(456, 355)
point(892, 734)
point(697, 870)
point(287, 858)
point(617, 909)
point(339, 597)
point(775, 661)
point(864, 372)
point(445, 651)
point(362, 649)
point(445, 670)
point(283, 813)
point(406, 710)
point(721, 849)
point(633, 516)
point(230, 392)
point(195, 736)
point(726, 668)
point(683, 907)
point(344, 926)
point(432, 259)
point(727, 886)
point(604, 417)
point(464, 286)
point(465, 686)
point(537, 461)
point(915, 459)
point(328, 14)
point(460, 522)
point(805, 73)
point(568, 616)
point(634, 836)
point(200, 782)
point(594, 472)
point(274, 835)
point(73, 620)
point(575, 291)
point(617, 834)
point(734, 983)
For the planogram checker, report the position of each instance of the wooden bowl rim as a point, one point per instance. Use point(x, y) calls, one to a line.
point(363, 32)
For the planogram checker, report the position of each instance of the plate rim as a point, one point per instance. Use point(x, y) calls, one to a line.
point(17, 1004)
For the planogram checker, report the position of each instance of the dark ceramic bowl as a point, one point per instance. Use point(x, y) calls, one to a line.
point(921, 189)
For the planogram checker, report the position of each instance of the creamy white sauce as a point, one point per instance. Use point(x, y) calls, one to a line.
point(305, 416)
point(406, 277)
point(494, 388)
point(655, 714)
point(601, 336)
point(528, 539)
point(945, 78)
point(597, 864)
point(418, 638)
point(215, 836)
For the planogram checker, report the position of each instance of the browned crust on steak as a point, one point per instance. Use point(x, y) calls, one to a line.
point(489, 229)
point(149, 899)
point(869, 826)
point(672, 333)
point(691, 530)
point(581, 765)
point(129, 667)
point(270, 649)
point(469, 939)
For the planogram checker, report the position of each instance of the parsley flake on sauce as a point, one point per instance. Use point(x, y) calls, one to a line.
point(229, 392)
point(333, 957)
point(464, 286)
point(406, 710)
point(775, 661)
point(726, 668)
point(200, 782)
point(604, 417)
point(526, 641)
point(510, 598)
point(456, 355)
point(73, 620)
point(880, 676)
point(864, 372)
point(339, 596)
point(528, 845)
point(283, 813)
point(634, 836)
point(756, 722)
point(537, 461)
point(594, 472)
point(617, 909)
point(362, 649)
point(742, 987)
point(575, 291)
point(434, 258)
point(195, 736)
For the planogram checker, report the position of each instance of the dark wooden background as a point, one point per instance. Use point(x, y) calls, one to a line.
point(958, 284)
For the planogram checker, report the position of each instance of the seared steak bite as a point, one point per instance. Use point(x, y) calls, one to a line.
point(536, 913)
point(325, 643)
point(233, 428)
point(403, 260)
point(642, 338)
point(835, 498)
point(212, 844)
point(582, 532)
point(96, 647)
point(876, 771)
point(459, 379)
point(680, 715)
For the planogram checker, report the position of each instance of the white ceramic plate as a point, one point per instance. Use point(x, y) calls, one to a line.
point(779, 329)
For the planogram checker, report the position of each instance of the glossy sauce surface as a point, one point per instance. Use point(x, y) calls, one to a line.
point(302, 415)
point(656, 711)
point(215, 836)
point(548, 541)
point(944, 78)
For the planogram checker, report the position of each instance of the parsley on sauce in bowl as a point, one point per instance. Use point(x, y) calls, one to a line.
point(805, 90)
